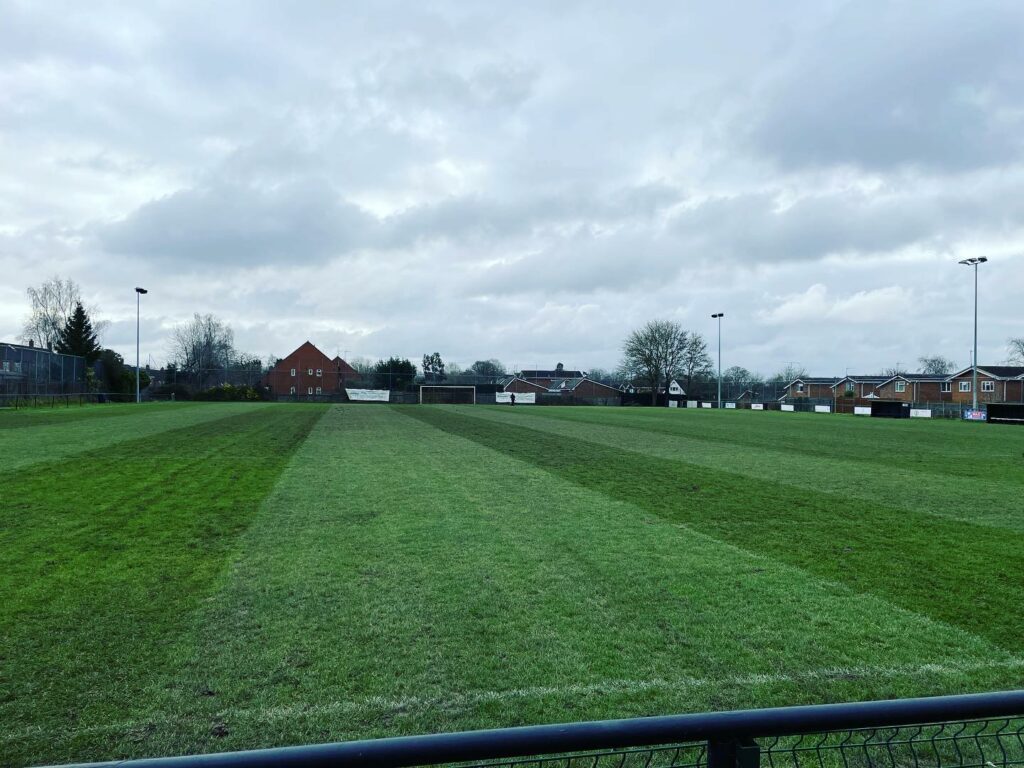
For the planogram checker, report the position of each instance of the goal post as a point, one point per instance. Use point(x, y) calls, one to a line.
point(438, 394)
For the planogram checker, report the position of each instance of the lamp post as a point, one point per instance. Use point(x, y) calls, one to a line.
point(138, 309)
point(974, 262)
point(718, 316)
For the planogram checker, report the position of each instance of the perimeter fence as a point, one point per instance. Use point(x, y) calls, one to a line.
point(971, 731)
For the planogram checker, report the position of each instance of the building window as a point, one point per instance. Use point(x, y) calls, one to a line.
point(988, 386)
point(293, 373)
point(965, 386)
point(319, 371)
point(901, 386)
point(7, 365)
point(800, 387)
point(291, 391)
point(318, 390)
point(309, 390)
point(310, 371)
point(947, 386)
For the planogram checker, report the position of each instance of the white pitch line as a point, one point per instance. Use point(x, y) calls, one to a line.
point(381, 704)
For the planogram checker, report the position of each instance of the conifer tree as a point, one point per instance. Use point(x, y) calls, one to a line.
point(77, 337)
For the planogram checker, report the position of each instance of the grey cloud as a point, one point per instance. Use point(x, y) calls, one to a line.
point(925, 84)
point(242, 225)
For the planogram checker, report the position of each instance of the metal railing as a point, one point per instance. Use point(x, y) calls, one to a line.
point(971, 731)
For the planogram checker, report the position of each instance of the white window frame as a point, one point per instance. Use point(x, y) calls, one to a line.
point(293, 373)
point(901, 386)
point(309, 371)
point(319, 372)
point(988, 386)
point(291, 391)
point(947, 386)
point(309, 390)
point(800, 386)
point(318, 390)
point(965, 386)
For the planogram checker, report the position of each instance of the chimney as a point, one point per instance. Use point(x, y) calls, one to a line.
point(31, 342)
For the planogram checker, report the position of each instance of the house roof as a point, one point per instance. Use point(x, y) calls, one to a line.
point(994, 371)
point(916, 377)
point(869, 378)
point(507, 381)
point(815, 380)
point(564, 373)
point(564, 385)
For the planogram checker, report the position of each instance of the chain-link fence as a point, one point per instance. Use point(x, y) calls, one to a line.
point(29, 370)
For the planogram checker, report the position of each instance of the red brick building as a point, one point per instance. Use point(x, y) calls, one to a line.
point(309, 373)
point(996, 384)
point(915, 388)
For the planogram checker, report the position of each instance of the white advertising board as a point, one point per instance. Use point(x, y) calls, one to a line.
point(706, 405)
point(730, 405)
point(369, 395)
point(673, 404)
point(862, 410)
point(790, 408)
point(522, 398)
point(757, 406)
point(823, 409)
point(691, 403)
point(920, 413)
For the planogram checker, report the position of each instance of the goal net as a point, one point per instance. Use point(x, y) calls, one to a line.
point(436, 394)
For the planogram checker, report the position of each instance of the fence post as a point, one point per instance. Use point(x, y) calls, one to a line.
point(736, 753)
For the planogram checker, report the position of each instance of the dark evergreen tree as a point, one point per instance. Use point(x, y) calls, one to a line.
point(77, 337)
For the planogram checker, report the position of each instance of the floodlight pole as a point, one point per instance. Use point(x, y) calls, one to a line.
point(138, 310)
point(719, 316)
point(974, 262)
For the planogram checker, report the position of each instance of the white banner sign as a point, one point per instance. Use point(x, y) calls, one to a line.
point(673, 404)
point(691, 403)
point(790, 408)
point(920, 413)
point(757, 406)
point(730, 405)
point(369, 395)
point(522, 398)
point(862, 410)
point(823, 409)
point(707, 405)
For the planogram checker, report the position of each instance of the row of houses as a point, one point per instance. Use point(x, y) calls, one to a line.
point(996, 384)
point(308, 372)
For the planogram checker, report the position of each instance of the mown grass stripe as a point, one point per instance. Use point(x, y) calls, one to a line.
point(54, 441)
point(938, 446)
point(955, 572)
point(105, 554)
point(980, 500)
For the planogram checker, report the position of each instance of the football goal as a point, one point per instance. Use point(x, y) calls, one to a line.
point(438, 394)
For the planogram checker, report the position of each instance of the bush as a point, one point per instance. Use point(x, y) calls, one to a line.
point(227, 392)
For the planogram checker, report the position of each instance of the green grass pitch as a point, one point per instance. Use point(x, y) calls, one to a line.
point(181, 578)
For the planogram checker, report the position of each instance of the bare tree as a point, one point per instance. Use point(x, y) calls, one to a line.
point(52, 305)
point(655, 353)
point(936, 365)
point(696, 362)
point(202, 346)
point(1016, 348)
point(791, 372)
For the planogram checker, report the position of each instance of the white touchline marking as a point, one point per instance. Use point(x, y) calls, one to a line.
point(372, 704)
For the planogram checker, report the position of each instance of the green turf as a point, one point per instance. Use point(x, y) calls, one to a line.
point(218, 577)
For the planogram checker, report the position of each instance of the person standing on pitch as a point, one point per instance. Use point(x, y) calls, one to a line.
point(512, 398)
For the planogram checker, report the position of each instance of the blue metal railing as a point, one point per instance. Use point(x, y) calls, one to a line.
point(977, 730)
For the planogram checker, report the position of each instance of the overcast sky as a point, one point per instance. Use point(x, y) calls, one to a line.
point(525, 181)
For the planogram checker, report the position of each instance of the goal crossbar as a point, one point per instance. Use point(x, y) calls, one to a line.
point(450, 395)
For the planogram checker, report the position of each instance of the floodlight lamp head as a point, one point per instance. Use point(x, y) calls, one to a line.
point(982, 259)
point(141, 290)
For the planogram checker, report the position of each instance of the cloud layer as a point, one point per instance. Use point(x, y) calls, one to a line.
point(525, 183)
